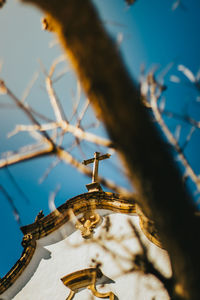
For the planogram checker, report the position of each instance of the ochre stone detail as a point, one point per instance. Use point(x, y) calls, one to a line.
point(28, 240)
point(87, 223)
point(85, 278)
point(149, 229)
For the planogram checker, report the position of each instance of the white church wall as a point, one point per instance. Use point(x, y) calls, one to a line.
point(65, 251)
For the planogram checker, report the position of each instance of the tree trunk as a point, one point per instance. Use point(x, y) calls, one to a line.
point(150, 166)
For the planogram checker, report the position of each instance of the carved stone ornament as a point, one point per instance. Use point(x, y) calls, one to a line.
point(85, 279)
point(87, 223)
point(27, 240)
point(39, 216)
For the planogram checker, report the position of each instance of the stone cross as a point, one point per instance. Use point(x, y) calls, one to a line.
point(94, 186)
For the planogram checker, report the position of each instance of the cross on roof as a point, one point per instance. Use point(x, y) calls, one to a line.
point(95, 186)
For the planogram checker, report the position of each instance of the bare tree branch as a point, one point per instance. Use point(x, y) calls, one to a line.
point(20, 157)
point(142, 263)
point(154, 97)
point(77, 132)
point(117, 102)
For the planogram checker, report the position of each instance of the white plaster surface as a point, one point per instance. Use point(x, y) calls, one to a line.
point(65, 251)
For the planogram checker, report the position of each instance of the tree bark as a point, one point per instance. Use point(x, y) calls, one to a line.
point(116, 100)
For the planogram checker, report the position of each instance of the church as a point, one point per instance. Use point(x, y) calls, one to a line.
point(88, 248)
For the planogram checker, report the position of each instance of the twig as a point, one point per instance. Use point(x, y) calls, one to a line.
point(81, 115)
point(154, 96)
point(52, 148)
point(77, 101)
point(183, 118)
point(20, 157)
point(29, 87)
point(57, 108)
point(23, 107)
point(47, 172)
point(77, 132)
point(142, 263)
point(11, 202)
point(20, 191)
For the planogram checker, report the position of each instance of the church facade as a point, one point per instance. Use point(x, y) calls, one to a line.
point(88, 248)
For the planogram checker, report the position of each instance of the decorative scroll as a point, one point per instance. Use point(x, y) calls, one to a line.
point(87, 223)
point(28, 240)
point(85, 279)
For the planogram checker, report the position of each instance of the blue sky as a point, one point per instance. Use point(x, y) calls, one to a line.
point(153, 34)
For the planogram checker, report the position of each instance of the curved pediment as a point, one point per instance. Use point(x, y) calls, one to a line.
point(81, 206)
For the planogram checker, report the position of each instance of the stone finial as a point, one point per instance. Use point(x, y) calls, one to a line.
point(39, 216)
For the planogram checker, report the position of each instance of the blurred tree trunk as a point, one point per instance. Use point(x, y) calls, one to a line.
point(150, 166)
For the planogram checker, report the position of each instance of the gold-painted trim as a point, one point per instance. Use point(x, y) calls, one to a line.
point(148, 228)
point(85, 278)
point(87, 223)
point(18, 268)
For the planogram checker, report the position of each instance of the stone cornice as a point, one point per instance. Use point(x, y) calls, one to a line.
point(79, 204)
